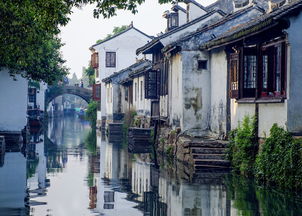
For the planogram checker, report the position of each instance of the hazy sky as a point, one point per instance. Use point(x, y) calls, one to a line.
point(84, 30)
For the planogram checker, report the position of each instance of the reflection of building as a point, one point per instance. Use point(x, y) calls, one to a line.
point(141, 178)
point(193, 199)
point(37, 180)
point(13, 184)
point(113, 189)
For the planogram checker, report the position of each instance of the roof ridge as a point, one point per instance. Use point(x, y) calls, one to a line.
point(120, 33)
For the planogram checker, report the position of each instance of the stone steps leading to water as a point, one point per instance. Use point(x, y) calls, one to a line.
point(207, 154)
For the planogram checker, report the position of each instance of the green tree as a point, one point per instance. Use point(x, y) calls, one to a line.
point(29, 33)
point(91, 112)
point(89, 72)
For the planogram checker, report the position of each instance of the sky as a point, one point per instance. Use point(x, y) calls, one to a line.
point(83, 30)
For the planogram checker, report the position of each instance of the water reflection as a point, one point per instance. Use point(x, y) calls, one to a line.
point(74, 171)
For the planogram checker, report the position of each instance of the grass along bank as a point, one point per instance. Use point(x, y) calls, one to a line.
point(276, 162)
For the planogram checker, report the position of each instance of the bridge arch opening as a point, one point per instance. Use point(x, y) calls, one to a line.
point(56, 91)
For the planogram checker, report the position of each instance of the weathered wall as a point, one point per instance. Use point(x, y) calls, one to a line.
point(195, 91)
point(175, 91)
point(140, 104)
point(218, 92)
point(108, 101)
point(41, 95)
point(13, 102)
point(125, 46)
point(270, 114)
point(238, 111)
point(294, 114)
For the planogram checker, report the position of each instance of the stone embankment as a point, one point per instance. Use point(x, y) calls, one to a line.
point(202, 153)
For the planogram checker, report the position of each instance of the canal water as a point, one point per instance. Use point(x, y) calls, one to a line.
point(74, 170)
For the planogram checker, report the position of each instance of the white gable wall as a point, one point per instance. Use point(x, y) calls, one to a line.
point(194, 11)
point(140, 104)
point(125, 46)
point(182, 18)
point(218, 92)
point(13, 102)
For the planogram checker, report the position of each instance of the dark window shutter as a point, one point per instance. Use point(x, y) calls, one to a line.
point(234, 75)
point(151, 84)
point(96, 92)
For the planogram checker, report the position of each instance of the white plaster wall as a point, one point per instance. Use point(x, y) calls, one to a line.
point(195, 91)
point(41, 95)
point(13, 102)
point(125, 46)
point(195, 11)
point(270, 114)
point(115, 98)
point(164, 105)
point(192, 28)
point(13, 181)
point(239, 111)
point(141, 105)
point(175, 90)
point(294, 75)
point(182, 18)
point(109, 104)
point(218, 92)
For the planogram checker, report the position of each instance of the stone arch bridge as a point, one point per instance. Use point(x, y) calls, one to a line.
point(55, 91)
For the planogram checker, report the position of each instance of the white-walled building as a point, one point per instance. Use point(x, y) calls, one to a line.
point(113, 55)
point(13, 102)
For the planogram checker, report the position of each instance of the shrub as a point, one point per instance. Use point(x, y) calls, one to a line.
point(91, 112)
point(243, 147)
point(169, 151)
point(280, 161)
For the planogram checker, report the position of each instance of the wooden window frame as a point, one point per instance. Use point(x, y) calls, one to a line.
point(95, 60)
point(110, 59)
point(96, 89)
point(276, 63)
point(151, 84)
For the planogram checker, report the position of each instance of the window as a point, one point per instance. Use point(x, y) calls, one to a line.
point(136, 91)
point(151, 78)
point(258, 73)
point(108, 196)
point(202, 64)
point(110, 59)
point(172, 21)
point(32, 95)
point(234, 73)
point(126, 93)
point(249, 72)
point(96, 89)
point(273, 70)
point(164, 78)
point(141, 91)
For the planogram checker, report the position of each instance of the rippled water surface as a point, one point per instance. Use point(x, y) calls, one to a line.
point(75, 171)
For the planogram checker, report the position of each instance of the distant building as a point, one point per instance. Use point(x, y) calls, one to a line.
point(113, 55)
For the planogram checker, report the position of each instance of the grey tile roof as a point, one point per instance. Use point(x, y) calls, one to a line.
point(208, 33)
point(157, 39)
point(253, 25)
point(123, 74)
point(120, 33)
